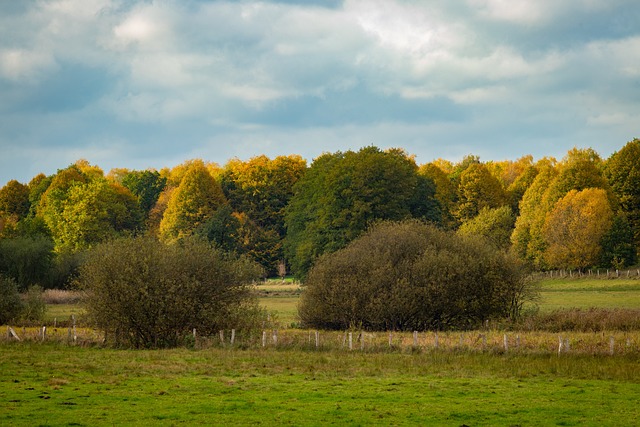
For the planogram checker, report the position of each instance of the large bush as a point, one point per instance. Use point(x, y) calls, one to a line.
point(412, 276)
point(144, 293)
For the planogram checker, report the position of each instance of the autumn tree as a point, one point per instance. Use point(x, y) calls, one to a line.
point(495, 225)
point(341, 194)
point(445, 191)
point(622, 170)
point(478, 189)
point(192, 203)
point(575, 227)
point(81, 208)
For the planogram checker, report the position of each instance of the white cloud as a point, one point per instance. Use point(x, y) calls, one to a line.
point(21, 65)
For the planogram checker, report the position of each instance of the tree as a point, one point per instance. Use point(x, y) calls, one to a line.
point(445, 192)
point(341, 194)
point(10, 303)
point(495, 225)
point(14, 200)
point(618, 245)
point(147, 294)
point(146, 186)
point(88, 212)
point(622, 170)
point(575, 228)
point(195, 200)
point(412, 276)
point(26, 260)
point(478, 189)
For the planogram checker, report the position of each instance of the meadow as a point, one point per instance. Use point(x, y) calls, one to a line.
point(464, 380)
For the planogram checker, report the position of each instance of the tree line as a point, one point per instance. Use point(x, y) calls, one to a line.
point(574, 213)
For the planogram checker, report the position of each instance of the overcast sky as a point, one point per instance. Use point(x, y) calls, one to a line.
point(148, 84)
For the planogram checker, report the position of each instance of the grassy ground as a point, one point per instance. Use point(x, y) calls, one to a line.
point(59, 385)
point(586, 293)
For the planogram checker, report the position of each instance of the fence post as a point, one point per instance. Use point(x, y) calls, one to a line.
point(560, 344)
point(233, 336)
point(362, 341)
point(415, 338)
point(275, 337)
point(317, 339)
point(264, 338)
point(390, 338)
point(435, 343)
point(350, 341)
point(44, 333)
point(221, 333)
point(612, 345)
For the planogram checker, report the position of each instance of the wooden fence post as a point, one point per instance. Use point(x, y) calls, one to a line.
point(264, 338)
point(221, 333)
point(275, 337)
point(317, 339)
point(233, 336)
point(435, 343)
point(350, 340)
point(415, 338)
point(505, 341)
point(612, 345)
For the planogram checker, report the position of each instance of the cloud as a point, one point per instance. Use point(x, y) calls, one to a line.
point(163, 80)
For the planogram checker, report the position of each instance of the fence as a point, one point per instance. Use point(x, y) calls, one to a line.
point(498, 342)
point(591, 273)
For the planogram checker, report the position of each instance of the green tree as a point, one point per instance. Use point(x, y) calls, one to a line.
point(14, 200)
point(26, 260)
point(194, 202)
point(412, 276)
point(618, 245)
point(622, 170)
point(10, 303)
point(495, 225)
point(146, 186)
point(575, 227)
point(478, 189)
point(341, 194)
point(146, 294)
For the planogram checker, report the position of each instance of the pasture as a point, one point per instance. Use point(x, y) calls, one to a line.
point(463, 381)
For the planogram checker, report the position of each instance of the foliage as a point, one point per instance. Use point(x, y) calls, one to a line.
point(618, 245)
point(146, 186)
point(34, 307)
point(14, 199)
point(27, 260)
point(193, 202)
point(495, 225)
point(148, 294)
point(478, 189)
point(10, 303)
point(412, 276)
point(82, 208)
point(622, 170)
point(575, 228)
point(445, 192)
point(341, 194)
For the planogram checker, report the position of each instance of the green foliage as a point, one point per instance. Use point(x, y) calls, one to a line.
point(495, 225)
point(146, 186)
point(618, 245)
point(341, 194)
point(622, 170)
point(10, 303)
point(478, 189)
point(412, 276)
point(27, 260)
point(194, 202)
point(82, 208)
point(148, 294)
point(34, 307)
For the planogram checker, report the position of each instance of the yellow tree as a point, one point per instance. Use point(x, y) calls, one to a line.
point(574, 228)
point(192, 203)
point(478, 189)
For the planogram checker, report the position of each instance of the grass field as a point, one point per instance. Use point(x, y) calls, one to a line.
point(587, 293)
point(460, 383)
point(58, 385)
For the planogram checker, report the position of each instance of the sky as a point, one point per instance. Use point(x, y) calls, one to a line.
point(151, 84)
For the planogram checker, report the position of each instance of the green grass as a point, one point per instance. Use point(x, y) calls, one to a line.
point(62, 312)
point(58, 385)
point(586, 293)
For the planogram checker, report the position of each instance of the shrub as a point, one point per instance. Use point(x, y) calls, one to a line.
point(412, 276)
point(148, 294)
point(34, 307)
point(10, 303)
